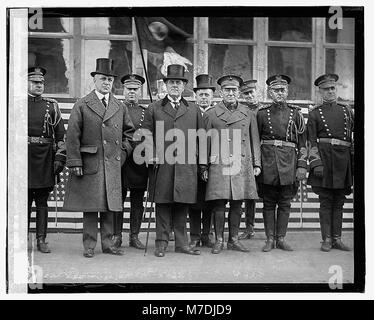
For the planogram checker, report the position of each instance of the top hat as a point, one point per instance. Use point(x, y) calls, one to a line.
point(176, 72)
point(278, 81)
point(230, 81)
point(326, 80)
point(36, 73)
point(104, 66)
point(204, 81)
point(248, 85)
point(132, 80)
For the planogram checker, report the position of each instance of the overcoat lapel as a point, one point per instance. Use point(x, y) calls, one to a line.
point(168, 108)
point(112, 108)
point(239, 114)
point(95, 104)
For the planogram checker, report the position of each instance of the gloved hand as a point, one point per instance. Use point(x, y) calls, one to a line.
point(256, 171)
point(78, 171)
point(204, 175)
point(318, 171)
point(301, 174)
point(58, 166)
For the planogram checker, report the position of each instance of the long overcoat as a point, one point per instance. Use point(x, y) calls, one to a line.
point(230, 168)
point(173, 182)
point(99, 140)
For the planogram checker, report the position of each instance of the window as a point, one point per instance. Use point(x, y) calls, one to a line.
point(50, 48)
point(290, 53)
point(231, 28)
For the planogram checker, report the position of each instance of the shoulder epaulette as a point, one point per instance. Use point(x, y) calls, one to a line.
point(49, 100)
point(264, 106)
point(311, 107)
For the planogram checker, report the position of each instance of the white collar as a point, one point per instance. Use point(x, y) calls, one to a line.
point(101, 96)
point(172, 100)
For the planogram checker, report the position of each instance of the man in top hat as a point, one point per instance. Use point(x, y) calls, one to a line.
point(134, 176)
point(173, 185)
point(201, 211)
point(234, 160)
point(99, 138)
point(284, 154)
point(249, 92)
point(46, 151)
point(330, 132)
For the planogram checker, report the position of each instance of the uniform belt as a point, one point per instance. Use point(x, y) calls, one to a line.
point(335, 142)
point(39, 140)
point(279, 143)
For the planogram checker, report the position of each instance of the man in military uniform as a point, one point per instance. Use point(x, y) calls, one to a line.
point(249, 92)
point(46, 151)
point(98, 142)
point(173, 185)
point(201, 211)
point(134, 176)
point(234, 160)
point(330, 128)
point(284, 154)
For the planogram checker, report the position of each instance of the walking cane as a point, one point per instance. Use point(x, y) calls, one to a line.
point(55, 194)
point(155, 170)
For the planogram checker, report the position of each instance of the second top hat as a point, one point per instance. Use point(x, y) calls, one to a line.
point(104, 66)
point(204, 81)
point(175, 72)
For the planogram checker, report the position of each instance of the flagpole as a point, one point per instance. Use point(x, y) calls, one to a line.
point(141, 53)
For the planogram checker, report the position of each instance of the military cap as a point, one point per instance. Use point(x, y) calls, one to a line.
point(132, 80)
point(36, 73)
point(247, 85)
point(326, 80)
point(230, 81)
point(278, 81)
point(204, 81)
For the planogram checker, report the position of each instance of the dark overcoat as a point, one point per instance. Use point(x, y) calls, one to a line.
point(44, 120)
point(331, 120)
point(99, 140)
point(230, 169)
point(135, 175)
point(173, 182)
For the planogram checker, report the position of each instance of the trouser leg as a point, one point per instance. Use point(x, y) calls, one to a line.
point(179, 220)
point(250, 209)
point(41, 198)
point(136, 211)
point(106, 228)
point(234, 219)
point(89, 230)
point(325, 213)
point(207, 222)
point(195, 224)
point(163, 223)
point(219, 218)
point(283, 211)
point(337, 213)
point(270, 195)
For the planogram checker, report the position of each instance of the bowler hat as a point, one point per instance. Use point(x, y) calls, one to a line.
point(175, 72)
point(104, 66)
point(204, 81)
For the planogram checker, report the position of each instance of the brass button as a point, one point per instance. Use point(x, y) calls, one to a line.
point(103, 125)
point(118, 158)
point(104, 141)
point(106, 159)
point(117, 142)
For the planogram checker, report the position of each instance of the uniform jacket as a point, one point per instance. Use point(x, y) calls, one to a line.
point(44, 120)
point(230, 168)
point(330, 120)
point(135, 175)
point(173, 182)
point(279, 163)
point(99, 140)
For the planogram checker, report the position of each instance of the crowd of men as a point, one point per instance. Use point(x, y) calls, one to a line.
point(276, 150)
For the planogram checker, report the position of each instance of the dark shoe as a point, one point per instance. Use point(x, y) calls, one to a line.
point(114, 251)
point(171, 236)
point(338, 244)
point(269, 245)
point(237, 246)
point(195, 243)
point(136, 243)
point(217, 247)
point(160, 252)
point(326, 245)
point(247, 234)
point(42, 246)
point(89, 253)
point(282, 244)
point(117, 241)
point(207, 243)
point(188, 250)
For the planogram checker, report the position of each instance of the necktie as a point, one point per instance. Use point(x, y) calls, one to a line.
point(104, 102)
point(176, 105)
